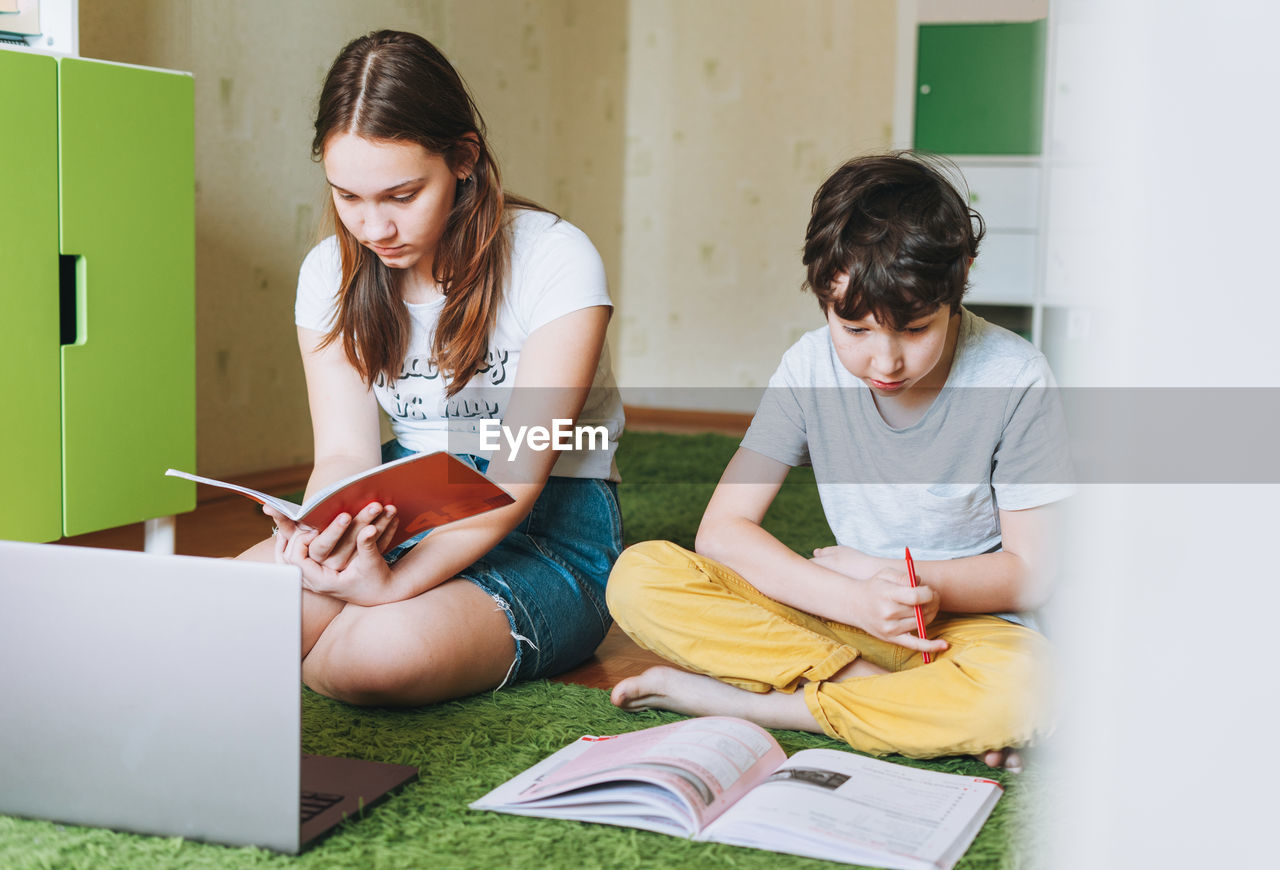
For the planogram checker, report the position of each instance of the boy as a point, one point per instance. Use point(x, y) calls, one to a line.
point(927, 428)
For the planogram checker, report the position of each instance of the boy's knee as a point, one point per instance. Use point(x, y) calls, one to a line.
point(654, 554)
point(639, 571)
point(1018, 664)
point(1011, 705)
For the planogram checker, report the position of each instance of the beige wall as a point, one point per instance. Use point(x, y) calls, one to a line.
point(736, 112)
point(686, 138)
point(980, 10)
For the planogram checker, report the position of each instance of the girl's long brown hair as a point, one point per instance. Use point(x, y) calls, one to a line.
point(393, 86)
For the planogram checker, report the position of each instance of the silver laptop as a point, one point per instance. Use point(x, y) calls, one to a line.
point(160, 694)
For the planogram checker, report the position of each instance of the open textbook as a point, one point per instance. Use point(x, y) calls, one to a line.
point(427, 489)
point(727, 780)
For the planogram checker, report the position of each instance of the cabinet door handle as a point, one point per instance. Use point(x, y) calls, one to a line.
point(71, 298)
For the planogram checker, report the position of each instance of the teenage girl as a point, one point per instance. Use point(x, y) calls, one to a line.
point(442, 300)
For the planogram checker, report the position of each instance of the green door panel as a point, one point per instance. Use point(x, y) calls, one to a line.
point(31, 508)
point(980, 88)
point(30, 428)
point(127, 178)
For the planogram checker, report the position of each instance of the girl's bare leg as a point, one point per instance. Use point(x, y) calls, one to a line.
point(450, 641)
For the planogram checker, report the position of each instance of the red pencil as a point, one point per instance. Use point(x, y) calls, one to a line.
point(911, 572)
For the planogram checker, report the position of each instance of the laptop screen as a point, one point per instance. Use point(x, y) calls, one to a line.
point(157, 694)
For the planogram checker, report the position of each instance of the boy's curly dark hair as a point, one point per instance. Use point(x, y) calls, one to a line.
point(900, 229)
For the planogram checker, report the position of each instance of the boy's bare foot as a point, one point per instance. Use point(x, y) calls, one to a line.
point(665, 688)
point(1002, 759)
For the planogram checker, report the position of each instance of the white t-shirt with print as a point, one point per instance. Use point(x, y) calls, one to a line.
point(554, 271)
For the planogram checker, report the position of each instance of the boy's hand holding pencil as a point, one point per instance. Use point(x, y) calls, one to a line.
point(911, 605)
point(892, 605)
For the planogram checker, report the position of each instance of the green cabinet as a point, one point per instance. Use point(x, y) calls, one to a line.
point(979, 88)
point(99, 353)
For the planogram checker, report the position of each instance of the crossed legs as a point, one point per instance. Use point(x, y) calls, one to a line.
point(785, 668)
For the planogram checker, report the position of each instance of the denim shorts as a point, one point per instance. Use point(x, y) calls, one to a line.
point(549, 573)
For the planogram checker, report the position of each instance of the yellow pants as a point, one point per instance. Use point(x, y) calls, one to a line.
point(984, 692)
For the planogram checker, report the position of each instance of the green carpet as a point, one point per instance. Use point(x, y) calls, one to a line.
point(463, 749)
point(667, 481)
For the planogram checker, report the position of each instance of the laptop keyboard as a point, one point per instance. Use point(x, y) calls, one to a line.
point(314, 803)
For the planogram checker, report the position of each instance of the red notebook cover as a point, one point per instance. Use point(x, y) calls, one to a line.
point(428, 490)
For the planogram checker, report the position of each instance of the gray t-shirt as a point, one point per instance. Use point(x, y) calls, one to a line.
point(993, 439)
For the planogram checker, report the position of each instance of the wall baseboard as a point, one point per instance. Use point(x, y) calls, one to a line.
point(685, 421)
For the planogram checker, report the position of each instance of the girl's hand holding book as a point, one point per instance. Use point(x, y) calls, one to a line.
point(344, 560)
point(336, 545)
point(366, 580)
